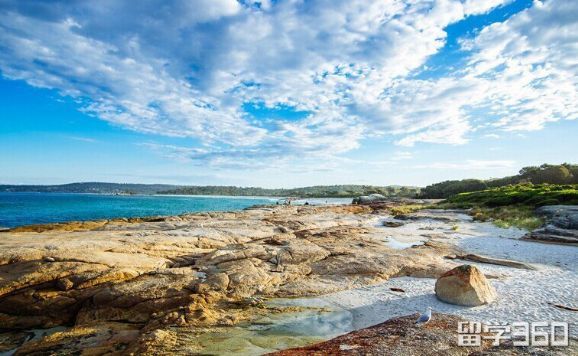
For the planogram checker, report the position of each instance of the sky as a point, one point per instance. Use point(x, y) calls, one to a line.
point(285, 93)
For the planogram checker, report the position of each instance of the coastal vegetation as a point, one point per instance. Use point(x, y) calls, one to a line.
point(404, 209)
point(530, 195)
point(513, 205)
point(552, 174)
point(545, 174)
point(321, 191)
point(522, 217)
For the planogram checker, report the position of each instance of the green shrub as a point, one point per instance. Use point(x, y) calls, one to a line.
point(513, 205)
point(518, 216)
point(522, 194)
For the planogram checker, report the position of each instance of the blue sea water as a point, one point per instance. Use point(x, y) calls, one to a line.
point(17, 209)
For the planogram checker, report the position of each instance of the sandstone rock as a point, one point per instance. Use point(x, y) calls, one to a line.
point(101, 339)
point(494, 261)
point(464, 285)
point(218, 281)
point(301, 251)
point(248, 276)
point(154, 342)
point(66, 226)
point(235, 254)
point(64, 284)
point(125, 279)
point(283, 229)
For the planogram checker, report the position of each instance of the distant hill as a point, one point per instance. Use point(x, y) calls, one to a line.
point(90, 187)
point(320, 191)
point(545, 174)
point(344, 191)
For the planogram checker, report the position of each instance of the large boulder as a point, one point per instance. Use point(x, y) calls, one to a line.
point(562, 216)
point(369, 199)
point(464, 285)
point(561, 224)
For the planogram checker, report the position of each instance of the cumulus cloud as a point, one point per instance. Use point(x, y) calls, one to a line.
point(469, 165)
point(187, 69)
point(530, 63)
point(521, 74)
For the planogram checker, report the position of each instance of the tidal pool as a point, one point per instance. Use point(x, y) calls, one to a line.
point(273, 332)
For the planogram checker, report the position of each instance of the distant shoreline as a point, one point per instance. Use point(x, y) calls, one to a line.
point(187, 195)
point(318, 191)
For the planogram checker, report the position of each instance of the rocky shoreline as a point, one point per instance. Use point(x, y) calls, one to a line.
point(400, 336)
point(142, 286)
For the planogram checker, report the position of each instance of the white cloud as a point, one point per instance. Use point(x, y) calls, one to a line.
point(522, 73)
point(186, 68)
point(83, 139)
point(469, 165)
point(530, 63)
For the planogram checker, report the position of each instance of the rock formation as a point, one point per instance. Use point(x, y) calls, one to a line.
point(400, 336)
point(464, 285)
point(119, 285)
point(561, 224)
point(369, 199)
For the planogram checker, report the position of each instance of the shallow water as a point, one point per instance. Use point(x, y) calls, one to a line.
point(34, 334)
point(267, 334)
point(402, 237)
point(18, 209)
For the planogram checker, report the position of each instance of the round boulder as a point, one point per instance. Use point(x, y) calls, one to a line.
point(369, 199)
point(465, 285)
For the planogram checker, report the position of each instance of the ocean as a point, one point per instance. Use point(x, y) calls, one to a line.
point(17, 209)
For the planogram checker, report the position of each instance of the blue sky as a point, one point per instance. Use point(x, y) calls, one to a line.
point(285, 93)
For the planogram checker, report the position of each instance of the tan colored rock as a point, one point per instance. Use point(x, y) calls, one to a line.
point(218, 281)
point(64, 284)
point(155, 342)
point(125, 279)
point(465, 285)
point(236, 253)
point(300, 251)
point(102, 339)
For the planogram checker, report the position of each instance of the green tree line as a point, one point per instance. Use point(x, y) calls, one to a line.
point(338, 191)
point(321, 191)
point(545, 174)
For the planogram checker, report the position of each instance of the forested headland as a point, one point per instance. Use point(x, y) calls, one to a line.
point(545, 174)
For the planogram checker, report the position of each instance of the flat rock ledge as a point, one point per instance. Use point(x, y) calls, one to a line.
point(400, 336)
point(119, 286)
point(561, 225)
